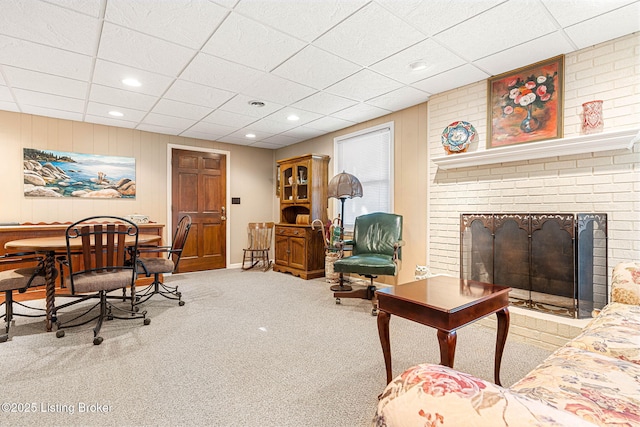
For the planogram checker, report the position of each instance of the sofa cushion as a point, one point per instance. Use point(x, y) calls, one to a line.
point(615, 332)
point(598, 388)
point(435, 395)
point(625, 283)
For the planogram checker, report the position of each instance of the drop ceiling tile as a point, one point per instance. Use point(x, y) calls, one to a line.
point(51, 112)
point(46, 100)
point(229, 4)
point(111, 74)
point(110, 121)
point(5, 94)
point(433, 16)
point(329, 124)
point(97, 109)
point(143, 51)
point(324, 103)
point(316, 68)
point(276, 89)
point(267, 145)
point(180, 109)
point(571, 12)
point(121, 98)
point(228, 118)
point(9, 106)
point(212, 129)
point(364, 85)
point(165, 130)
point(497, 29)
point(399, 99)
point(48, 24)
point(528, 53)
point(190, 133)
point(47, 83)
point(271, 126)
point(452, 79)
point(32, 56)
point(91, 8)
point(282, 116)
point(609, 26)
point(436, 57)
point(303, 133)
point(219, 73)
point(240, 105)
point(305, 20)
point(369, 35)
point(156, 119)
point(361, 113)
point(185, 22)
point(236, 140)
point(185, 91)
point(248, 42)
point(281, 140)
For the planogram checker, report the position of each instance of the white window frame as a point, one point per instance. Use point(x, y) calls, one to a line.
point(339, 165)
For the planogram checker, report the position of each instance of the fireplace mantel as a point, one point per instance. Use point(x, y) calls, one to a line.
point(592, 143)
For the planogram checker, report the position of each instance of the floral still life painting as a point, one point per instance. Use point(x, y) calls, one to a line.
point(525, 105)
point(64, 174)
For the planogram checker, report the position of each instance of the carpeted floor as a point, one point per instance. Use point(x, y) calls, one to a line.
point(248, 349)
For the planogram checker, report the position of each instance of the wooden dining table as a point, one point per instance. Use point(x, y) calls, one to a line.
point(50, 246)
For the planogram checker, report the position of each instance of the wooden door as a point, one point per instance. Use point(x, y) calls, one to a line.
point(199, 190)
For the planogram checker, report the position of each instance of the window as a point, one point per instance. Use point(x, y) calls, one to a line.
point(368, 155)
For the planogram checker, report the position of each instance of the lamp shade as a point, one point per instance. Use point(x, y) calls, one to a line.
point(344, 186)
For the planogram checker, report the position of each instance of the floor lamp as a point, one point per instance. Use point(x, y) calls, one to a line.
point(343, 186)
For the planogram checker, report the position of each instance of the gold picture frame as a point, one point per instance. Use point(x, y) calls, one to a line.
point(526, 104)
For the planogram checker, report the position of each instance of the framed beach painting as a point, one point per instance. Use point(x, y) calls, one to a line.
point(525, 105)
point(63, 174)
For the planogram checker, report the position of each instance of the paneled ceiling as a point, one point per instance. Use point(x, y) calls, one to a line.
point(331, 63)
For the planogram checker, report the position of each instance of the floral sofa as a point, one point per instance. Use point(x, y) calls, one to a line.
point(594, 380)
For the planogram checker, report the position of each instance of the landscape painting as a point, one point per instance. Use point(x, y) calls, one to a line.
point(63, 174)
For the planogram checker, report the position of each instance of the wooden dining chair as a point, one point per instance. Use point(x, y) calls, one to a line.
point(29, 272)
point(97, 265)
point(164, 264)
point(260, 235)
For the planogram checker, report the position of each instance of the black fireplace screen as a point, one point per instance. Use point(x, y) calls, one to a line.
point(555, 263)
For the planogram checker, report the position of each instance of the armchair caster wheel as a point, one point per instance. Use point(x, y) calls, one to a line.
point(97, 340)
point(59, 333)
point(337, 301)
point(136, 309)
point(374, 312)
point(4, 338)
point(180, 303)
point(147, 321)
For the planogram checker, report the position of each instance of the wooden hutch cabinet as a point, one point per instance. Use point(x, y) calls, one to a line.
point(299, 249)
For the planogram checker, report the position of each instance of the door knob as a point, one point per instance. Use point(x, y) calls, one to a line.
point(223, 216)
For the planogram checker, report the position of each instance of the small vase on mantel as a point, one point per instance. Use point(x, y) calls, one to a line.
point(592, 117)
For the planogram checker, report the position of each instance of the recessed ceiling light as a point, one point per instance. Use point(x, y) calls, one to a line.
point(250, 135)
point(257, 104)
point(293, 118)
point(418, 65)
point(116, 113)
point(130, 81)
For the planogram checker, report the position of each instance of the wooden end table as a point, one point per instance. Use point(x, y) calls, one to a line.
point(444, 303)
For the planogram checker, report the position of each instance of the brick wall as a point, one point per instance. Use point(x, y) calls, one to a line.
point(607, 182)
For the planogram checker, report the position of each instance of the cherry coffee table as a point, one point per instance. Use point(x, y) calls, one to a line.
point(445, 303)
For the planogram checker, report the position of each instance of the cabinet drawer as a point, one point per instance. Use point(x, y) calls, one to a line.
point(290, 231)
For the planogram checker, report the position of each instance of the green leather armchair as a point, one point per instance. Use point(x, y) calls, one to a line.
point(375, 251)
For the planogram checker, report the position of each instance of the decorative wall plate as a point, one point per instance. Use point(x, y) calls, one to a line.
point(457, 136)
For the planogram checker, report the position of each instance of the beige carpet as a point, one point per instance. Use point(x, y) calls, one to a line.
point(247, 349)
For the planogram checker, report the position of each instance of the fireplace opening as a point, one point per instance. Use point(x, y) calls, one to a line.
point(554, 263)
